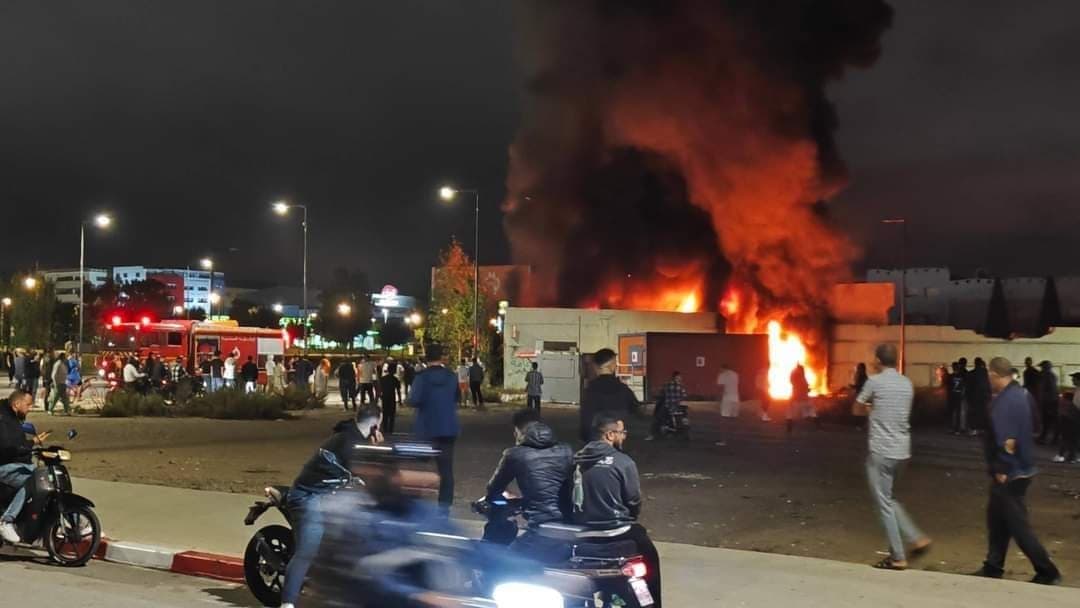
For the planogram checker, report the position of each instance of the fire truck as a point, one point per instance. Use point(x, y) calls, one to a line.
point(193, 340)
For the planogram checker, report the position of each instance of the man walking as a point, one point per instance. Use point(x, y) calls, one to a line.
point(367, 381)
point(476, 383)
point(346, 375)
point(250, 373)
point(605, 394)
point(1010, 457)
point(463, 381)
point(801, 406)
point(887, 396)
point(59, 373)
point(534, 387)
point(1048, 397)
point(434, 396)
point(389, 388)
point(727, 381)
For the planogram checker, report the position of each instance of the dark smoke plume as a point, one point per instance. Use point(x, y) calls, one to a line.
point(683, 142)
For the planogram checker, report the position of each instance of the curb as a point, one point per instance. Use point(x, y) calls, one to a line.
point(192, 563)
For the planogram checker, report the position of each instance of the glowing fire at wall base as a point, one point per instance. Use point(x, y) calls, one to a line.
point(785, 352)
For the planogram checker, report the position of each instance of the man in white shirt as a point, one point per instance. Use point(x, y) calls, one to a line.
point(132, 375)
point(230, 370)
point(728, 383)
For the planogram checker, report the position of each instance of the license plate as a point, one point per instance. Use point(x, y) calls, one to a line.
point(641, 590)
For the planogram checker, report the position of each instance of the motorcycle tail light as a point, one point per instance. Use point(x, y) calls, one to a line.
point(635, 569)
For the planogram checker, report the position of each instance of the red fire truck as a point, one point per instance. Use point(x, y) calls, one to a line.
point(194, 340)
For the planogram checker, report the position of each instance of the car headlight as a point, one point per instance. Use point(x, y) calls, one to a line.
point(524, 595)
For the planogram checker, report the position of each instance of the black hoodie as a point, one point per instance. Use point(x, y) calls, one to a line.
point(542, 468)
point(14, 446)
point(607, 492)
point(329, 468)
point(605, 394)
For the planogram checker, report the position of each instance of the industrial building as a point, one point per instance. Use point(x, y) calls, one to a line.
point(66, 281)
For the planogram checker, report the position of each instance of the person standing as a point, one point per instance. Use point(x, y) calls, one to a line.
point(978, 397)
point(957, 389)
point(229, 373)
point(1069, 419)
point(19, 368)
point(534, 387)
point(388, 391)
point(250, 373)
point(858, 381)
point(1031, 376)
point(728, 383)
point(1048, 397)
point(408, 375)
point(271, 371)
point(887, 396)
point(59, 375)
point(33, 374)
point(463, 381)
point(74, 378)
point(434, 398)
point(9, 364)
point(367, 381)
point(46, 377)
point(322, 379)
point(217, 372)
point(302, 371)
point(346, 375)
point(605, 394)
point(801, 406)
point(476, 383)
point(1010, 458)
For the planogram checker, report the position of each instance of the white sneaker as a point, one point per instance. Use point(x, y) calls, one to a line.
point(1058, 458)
point(8, 532)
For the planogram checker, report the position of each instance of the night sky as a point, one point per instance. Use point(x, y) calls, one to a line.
point(186, 119)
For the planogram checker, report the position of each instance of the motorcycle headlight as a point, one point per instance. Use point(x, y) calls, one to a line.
point(524, 595)
point(64, 455)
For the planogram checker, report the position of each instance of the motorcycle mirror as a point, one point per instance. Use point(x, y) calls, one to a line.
point(72, 434)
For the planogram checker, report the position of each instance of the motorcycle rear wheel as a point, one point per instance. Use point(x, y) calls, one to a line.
point(73, 539)
point(264, 582)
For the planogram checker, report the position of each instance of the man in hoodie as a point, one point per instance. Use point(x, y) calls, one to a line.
point(605, 394)
point(1010, 458)
point(16, 465)
point(328, 469)
point(541, 467)
point(607, 493)
point(434, 395)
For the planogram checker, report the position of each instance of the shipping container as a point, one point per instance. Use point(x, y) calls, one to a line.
point(647, 360)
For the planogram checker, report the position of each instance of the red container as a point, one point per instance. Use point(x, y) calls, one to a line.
point(697, 356)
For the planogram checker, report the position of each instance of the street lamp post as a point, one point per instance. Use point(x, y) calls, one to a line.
point(448, 194)
point(282, 208)
point(208, 264)
point(101, 221)
point(903, 288)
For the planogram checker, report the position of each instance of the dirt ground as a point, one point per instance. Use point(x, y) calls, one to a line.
point(805, 495)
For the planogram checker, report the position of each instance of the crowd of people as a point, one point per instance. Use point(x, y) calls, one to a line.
point(51, 376)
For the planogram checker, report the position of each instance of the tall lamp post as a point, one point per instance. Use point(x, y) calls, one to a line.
point(903, 287)
point(101, 221)
point(448, 194)
point(4, 304)
point(208, 264)
point(282, 208)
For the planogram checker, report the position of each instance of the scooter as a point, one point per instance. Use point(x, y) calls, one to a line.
point(616, 570)
point(53, 516)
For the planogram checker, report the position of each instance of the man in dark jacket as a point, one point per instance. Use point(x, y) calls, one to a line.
point(1048, 395)
point(978, 397)
point(605, 394)
point(607, 493)
point(346, 373)
point(434, 395)
point(15, 463)
point(327, 470)
point(476, 383)
point(541, 467)
point(249, 371)
point(1010, 458)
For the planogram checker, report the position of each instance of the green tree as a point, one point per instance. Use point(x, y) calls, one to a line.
point(344, 308)
point(450, 321)
point(65, 324)
point(250, 314)
point(32, 312)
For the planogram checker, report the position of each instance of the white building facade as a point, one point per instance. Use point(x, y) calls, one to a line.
point(66, 281)
point(197, 287)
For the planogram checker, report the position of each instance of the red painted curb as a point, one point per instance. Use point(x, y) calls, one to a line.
point(209, 565)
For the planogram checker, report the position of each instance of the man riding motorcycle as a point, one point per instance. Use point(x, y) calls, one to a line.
point(16, 465)
point(607, 493)
point(327, 470)
point(541, 467)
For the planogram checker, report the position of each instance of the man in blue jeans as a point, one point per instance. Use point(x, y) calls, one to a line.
point(434, 395)
point(326, 471)
point(15, 457)
point(887, 396)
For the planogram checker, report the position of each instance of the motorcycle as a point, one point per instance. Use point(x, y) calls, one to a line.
point(616, 570)
point(53, 516)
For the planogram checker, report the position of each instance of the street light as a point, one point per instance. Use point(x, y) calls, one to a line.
point(177, 311)
point(102, 221)
point(30, 282)
point(214, 299)
point(4, 303)
point(416, 319)
point(448, 194)
point(282, 208)
point(278, 308)
point(344, 309)
point(903, 287)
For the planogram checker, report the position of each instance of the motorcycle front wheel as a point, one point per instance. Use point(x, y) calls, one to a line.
point(74, 537)
point(264, 579)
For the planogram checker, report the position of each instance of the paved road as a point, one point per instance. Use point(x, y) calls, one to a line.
point(27, 581)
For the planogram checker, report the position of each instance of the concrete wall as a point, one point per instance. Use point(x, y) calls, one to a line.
point(527, 329)
point(929, 346)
